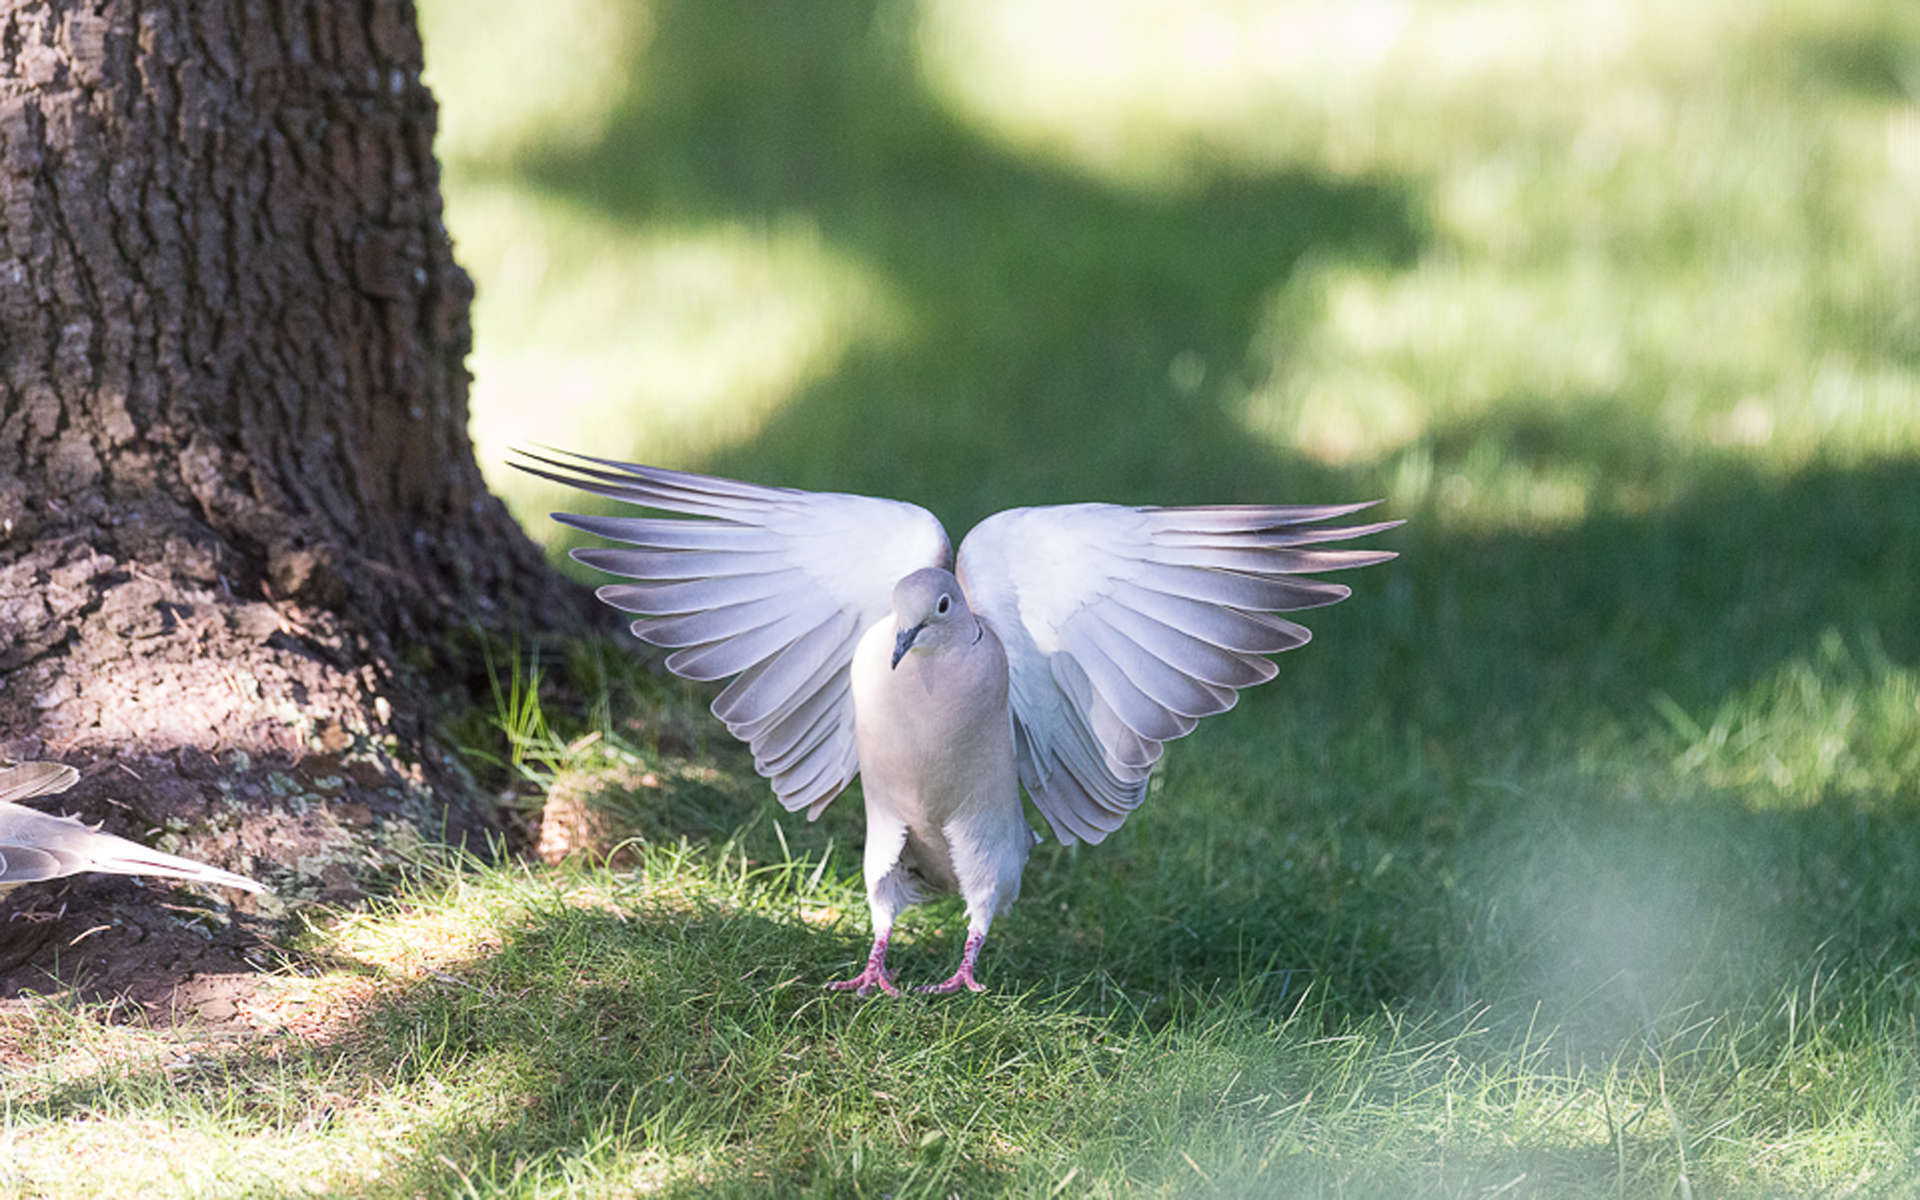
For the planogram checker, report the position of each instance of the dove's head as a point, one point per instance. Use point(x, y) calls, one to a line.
point(929, 611)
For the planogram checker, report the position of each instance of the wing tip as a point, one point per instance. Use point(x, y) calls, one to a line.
point(241, 882)
point(1265, 516)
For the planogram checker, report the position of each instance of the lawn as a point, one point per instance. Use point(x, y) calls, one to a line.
point(1579, 854)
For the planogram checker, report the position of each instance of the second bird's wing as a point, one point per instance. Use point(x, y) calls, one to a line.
point(772, 586)
point(35, 845)
point(1124, 626)
point(28, 779)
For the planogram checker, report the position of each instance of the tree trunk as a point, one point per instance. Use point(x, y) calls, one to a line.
point(236, 489)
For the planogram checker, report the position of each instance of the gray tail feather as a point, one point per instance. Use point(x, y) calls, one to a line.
point(36, 845)
point(130, 858)
point(76, 850)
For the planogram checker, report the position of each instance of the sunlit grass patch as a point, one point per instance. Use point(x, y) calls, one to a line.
point(1734, 365)
point(552, 74)
point(1835, 722)
point(63, 1038)
point(657, 344)
point(1158, 94)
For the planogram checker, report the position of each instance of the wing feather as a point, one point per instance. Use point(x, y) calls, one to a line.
point(669, 491)
point(1238, 589)
point(1248, 518)
point(818, 778)
point(1282, 536)
point(1125, 752)
point(23, 780)
point(698, 595)
point(1260, 560)
point(1228, 628)
point(24, 864)
point(1149, 664)
point(1220, 668)
point(667, 565)
point(691, 629)
point(1125, 626)
point(775, 686)
point(770, 586)
point(1136, 710)
point(36, 845)
point(787, 739)
point(730, 656)
point(672, 533)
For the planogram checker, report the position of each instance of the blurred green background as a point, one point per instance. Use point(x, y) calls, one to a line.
point(1617, 305)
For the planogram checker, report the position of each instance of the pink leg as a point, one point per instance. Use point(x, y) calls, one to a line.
point(876, 974)
point(963, 978)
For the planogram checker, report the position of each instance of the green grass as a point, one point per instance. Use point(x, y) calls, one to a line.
point(1557, 980)
point(1579, 855)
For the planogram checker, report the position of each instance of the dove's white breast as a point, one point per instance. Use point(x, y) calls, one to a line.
point(936, 748)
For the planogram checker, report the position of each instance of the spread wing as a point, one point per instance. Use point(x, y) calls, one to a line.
point(772, 586)
point(1124, 626)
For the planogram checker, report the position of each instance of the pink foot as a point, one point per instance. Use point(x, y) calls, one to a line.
point(963, 978)
point(876, 974)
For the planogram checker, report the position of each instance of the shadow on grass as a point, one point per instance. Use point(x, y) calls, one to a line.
point(1700, 594)
point(591, 1045)
point(1863, 62)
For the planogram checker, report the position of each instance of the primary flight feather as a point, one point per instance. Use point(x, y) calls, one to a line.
point(1060, 651)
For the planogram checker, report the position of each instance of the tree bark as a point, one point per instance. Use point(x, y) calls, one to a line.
point(237, 494)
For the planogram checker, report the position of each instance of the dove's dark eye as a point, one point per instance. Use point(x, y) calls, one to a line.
point(943, 606)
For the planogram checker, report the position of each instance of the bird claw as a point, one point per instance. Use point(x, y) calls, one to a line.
point(963, 978)
point(877, 976)
point(864, 983)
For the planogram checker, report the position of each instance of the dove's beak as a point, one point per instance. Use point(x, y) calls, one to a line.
point(904, 642)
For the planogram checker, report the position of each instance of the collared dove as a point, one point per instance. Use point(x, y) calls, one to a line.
point(36, 846)
point(1066, 647)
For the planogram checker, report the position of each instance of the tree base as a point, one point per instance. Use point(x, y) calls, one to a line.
point(270, 737)
point(240, 516)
